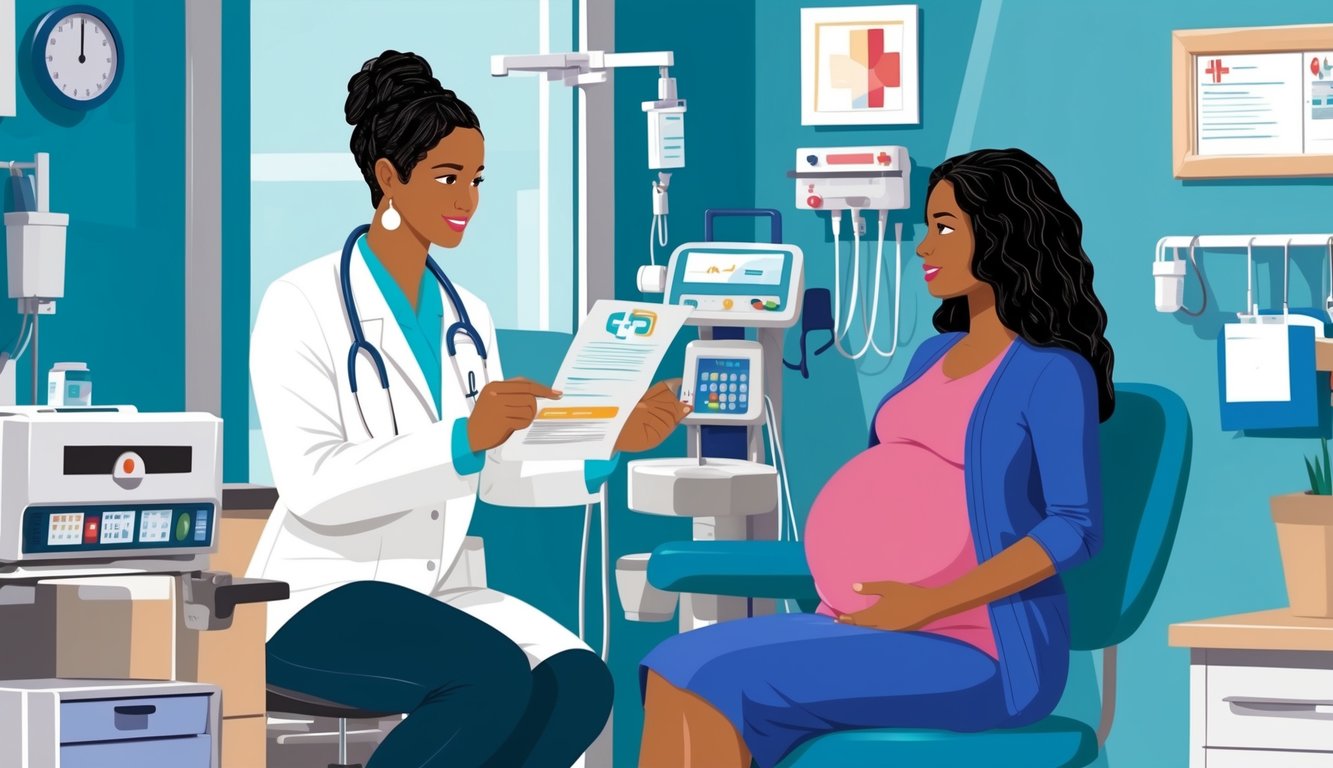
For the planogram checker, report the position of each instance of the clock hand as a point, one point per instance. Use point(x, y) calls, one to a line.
point(82, 24)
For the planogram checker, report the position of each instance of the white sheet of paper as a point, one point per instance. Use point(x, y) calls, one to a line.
point(1250, 104)
point(1258, 363)
point(607, 369)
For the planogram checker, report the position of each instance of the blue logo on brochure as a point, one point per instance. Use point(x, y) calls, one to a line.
point(639, 322)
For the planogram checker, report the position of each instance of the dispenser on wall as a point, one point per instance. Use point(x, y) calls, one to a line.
point(35, 240)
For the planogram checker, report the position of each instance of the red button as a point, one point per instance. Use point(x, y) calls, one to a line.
point(129, 466)
point(90, 527)
point(814, 201)
point(884, 158)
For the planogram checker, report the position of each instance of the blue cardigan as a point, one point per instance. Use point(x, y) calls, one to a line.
point(1032, 467)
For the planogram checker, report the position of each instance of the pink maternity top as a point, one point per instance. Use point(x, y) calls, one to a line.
point(898, 511)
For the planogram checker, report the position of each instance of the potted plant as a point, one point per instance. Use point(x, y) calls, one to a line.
point(1305, 539)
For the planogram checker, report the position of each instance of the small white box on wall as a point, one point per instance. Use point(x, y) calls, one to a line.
point(8, 62)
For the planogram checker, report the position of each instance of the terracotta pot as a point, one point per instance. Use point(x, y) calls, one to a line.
point(1305, 538)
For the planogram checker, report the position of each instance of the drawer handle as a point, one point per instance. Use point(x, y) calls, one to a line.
point(139, 709)
point(1279, 707)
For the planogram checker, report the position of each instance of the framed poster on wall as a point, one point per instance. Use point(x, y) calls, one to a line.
point(859, 66)
point(1252, 102)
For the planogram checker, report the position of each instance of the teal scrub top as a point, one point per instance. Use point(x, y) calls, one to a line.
point(424, 328)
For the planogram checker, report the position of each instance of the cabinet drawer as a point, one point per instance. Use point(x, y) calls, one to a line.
point(188, 752)
point(1258, 758)
point(150, 717)
point(1270, 707)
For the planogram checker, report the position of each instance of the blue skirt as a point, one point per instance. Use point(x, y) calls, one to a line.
point(786, 678)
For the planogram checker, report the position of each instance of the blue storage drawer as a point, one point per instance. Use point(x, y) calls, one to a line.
point(143, 718)
point(187, 752)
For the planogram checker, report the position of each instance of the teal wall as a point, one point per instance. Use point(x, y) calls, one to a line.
point(119, 172)
point(1085, 87)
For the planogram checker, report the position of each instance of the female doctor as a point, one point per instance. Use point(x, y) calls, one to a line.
point(380, 392)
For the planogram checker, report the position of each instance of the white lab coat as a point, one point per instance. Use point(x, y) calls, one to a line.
point(354, 507)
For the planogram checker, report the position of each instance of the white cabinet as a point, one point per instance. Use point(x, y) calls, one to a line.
point(1261, 691)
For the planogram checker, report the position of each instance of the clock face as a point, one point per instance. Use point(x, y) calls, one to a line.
point(82, 57)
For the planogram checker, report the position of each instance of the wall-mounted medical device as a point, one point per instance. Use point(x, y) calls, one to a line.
point(737, 284)
point(91, 491)
point(1169, 274)
point(855, 179)
point(845, 178)
point(36, 242)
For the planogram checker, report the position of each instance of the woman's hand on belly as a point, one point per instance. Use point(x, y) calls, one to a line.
point(900, 606)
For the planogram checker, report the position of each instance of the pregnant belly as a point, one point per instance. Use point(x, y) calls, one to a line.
point(893, 513)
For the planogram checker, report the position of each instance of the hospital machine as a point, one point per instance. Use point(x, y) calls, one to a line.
point(857, 179)
point(735, 386)
point(1169, 275)
point(108, 495)
point(666, 125)
point(35, 243)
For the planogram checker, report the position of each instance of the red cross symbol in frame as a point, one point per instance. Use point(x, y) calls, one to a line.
point(883, 158)
point(1216, 69)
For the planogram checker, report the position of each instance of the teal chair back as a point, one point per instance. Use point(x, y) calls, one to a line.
point(1146, 447)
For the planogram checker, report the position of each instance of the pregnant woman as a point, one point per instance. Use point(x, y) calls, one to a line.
point(936, 552)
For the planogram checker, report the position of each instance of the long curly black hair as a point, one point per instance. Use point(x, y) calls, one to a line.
point(1029, 248)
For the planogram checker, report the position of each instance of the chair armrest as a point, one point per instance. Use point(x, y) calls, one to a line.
point(771, 569)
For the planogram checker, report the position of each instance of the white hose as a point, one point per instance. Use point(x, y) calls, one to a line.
point(781, 465)
point(606, 573)
point(897, 281)
point(583, 572)
point(836, 218)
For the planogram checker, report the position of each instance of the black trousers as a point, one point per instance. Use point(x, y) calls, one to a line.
point(468, 692)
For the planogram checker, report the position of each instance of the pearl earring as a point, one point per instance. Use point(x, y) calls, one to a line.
point(390, 218)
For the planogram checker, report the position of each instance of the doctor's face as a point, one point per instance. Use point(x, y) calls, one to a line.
point(441, 197)
point(947, 250)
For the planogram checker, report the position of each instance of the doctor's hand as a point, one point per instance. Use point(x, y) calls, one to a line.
point(900, 606)
point(655, 417)
point(503, 408)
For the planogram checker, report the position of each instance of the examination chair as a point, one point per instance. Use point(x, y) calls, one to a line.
point(1146, 449)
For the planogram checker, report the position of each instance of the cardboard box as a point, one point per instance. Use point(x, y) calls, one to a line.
point(232, 658)
point(243, 744)
point(113, 626)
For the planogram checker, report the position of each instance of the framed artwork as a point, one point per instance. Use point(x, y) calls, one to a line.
point(1252, 102)
point(859, 66)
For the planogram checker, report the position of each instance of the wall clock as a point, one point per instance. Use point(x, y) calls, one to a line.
point(78, 56)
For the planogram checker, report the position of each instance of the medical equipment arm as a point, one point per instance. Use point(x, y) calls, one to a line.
point(323, 477)
point(511, 483)
point(1062, 416)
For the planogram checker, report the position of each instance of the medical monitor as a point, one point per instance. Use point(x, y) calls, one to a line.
point(737, 284)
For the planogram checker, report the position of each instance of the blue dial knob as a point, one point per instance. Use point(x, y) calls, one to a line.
point(812, 159)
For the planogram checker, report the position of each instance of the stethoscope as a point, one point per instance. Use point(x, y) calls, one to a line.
point(359, 343)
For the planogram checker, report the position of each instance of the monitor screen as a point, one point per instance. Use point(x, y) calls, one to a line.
point(748, 268)
point(65, 529)
point(118, 526)
point(155, 525)
point(723, 385)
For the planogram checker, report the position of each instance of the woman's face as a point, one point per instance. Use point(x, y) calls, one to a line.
point(441, 197)
point(946, 252)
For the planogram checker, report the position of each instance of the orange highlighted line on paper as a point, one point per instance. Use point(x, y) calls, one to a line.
point(604, 412)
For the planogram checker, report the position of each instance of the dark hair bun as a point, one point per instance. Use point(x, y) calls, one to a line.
point(390, 81)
